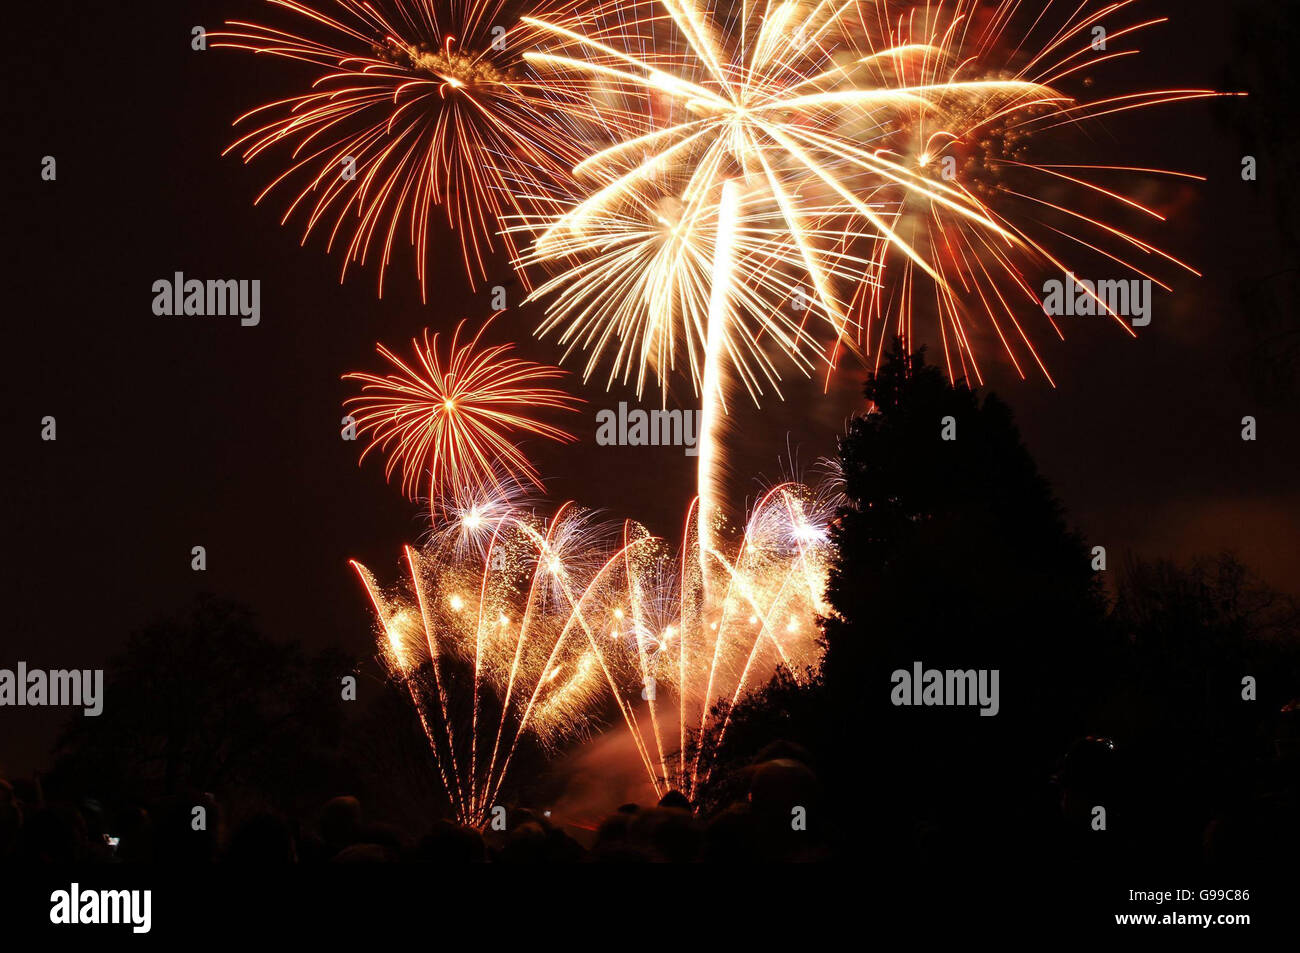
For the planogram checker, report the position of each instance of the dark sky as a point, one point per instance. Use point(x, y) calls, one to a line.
point(176, 432)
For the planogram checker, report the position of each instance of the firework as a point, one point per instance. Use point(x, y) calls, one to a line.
point(911, 135)
point(997, 135)
point(455, 418)
point(510, 627)
point(752, 127)
point(691, 110)
point(768, 100)
point(637, 285)
point(412, 105)
point(699, 633)
point(496, 643)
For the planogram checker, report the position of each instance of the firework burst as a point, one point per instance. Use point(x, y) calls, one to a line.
point(753, 124)
point(412, 105)
point(454, 419)
point(496, 644)
point(636, 290)
point(512, 627)
point(998, 134)
point(699, 633)
point(690, 109)
point(771, 100)
point(909, 135)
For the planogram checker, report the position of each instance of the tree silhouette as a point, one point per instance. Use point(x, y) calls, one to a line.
point(953, 553)
point(1206, 701)
point(204, 702)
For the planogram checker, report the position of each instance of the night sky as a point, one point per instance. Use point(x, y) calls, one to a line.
point(176, 432)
